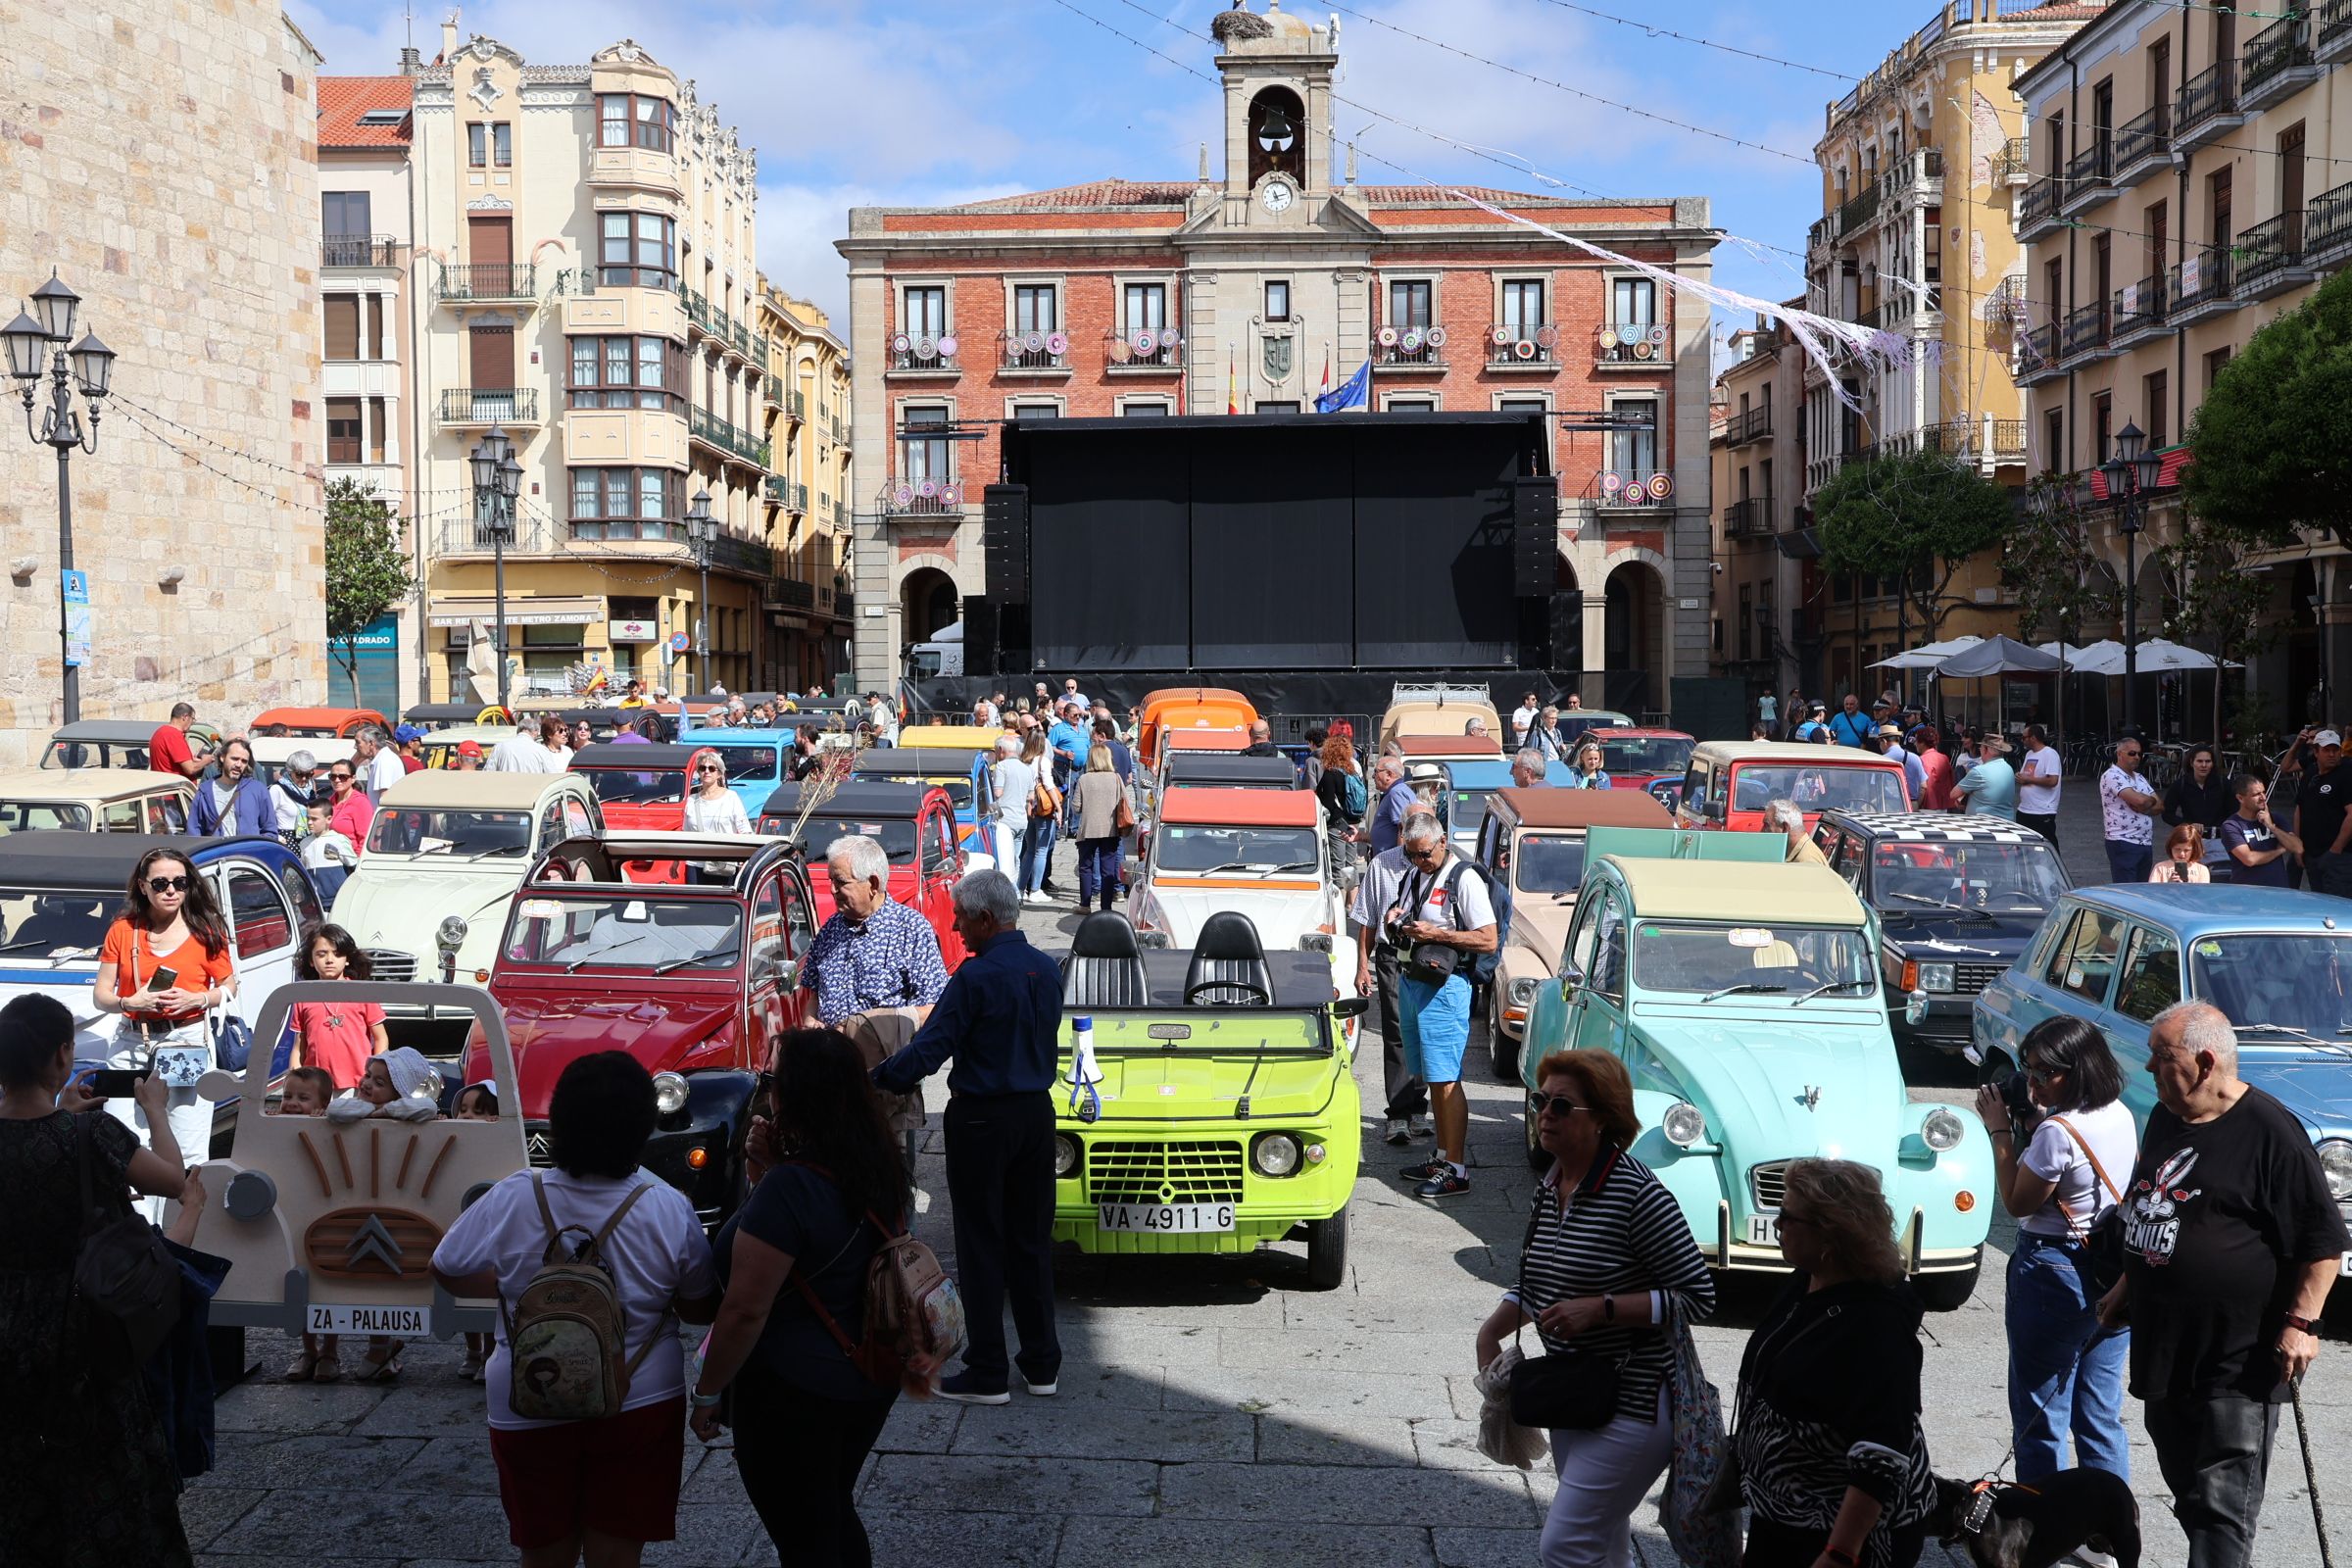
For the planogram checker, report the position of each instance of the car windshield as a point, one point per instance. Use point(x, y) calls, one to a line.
point(896, 835)
point(957, 785)
point(755, 762)
point(2278, 987)
point(622, 786)
point(1548, 862)
point(92, 753)
point(1469, 810)
point(1188, 848)
point(18, 815)
point(618, 931)
point(42, 924)
point(1817, 787)
point(1998, 878)
point(465, 833)
point(1683, 955)
point(1645, 753)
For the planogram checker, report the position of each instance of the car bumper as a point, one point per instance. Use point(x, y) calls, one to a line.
point(1724, 1253)
point(712, 1185)
point(1266, 1208)
point(1945, 1028)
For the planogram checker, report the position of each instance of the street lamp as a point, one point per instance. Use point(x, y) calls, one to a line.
point(702, 530)
point(2130, 474)
point(497, 481)
point(28, 338)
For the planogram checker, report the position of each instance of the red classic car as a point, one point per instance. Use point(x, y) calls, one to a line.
point(915, 825)
point(1637, 758)
point(638, 786)
point(693, 979)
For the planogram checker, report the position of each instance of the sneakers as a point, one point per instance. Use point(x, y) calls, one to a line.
point(1445, 1183)
point(1047, 1391)
point(1396, 1132)
point(1421, 1126)
point(1427, 1170)
point(1037, 896)
point(964, 1387)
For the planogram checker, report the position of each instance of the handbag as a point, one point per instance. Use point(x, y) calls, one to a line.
point(179, 1066)
point(232, 1039)
point(1045, 801)
point(1560, 1389)
point(1122, 817)
point(2102, 1239)
point(1432, 962)
point(1701, 1535)
point(123, 1273)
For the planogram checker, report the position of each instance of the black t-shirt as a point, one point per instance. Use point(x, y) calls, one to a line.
point(797, 1210)
point(2218, 1220)
point(2320, 808)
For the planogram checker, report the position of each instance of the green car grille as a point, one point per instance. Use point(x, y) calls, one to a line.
point(1164, 1173)
point(1769, 1182)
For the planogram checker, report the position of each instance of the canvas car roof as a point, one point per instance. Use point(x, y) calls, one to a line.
point(446, 787)
point(1753, 893)
point(1449, 745)
point(129, 731)
point(60, 858)
point(84, 783)
point(1240, 808)
point(966, 738)
point(647, 758)
point(912, 762)
point(1208, 738)
point(1229, 768)
point(856, 797)
point(1789, 752)
point(1552, 806)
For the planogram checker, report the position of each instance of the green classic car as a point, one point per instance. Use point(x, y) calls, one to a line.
point(1742, 994)
point(1226, 1111)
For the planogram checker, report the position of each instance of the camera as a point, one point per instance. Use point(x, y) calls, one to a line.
point(2017, 1094)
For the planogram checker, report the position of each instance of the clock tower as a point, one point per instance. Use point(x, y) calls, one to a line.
point(1277, 70)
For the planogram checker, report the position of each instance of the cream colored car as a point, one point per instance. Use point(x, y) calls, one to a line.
point(94, 800)
point(1438, 709)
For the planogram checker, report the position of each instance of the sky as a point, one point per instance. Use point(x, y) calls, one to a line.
point(921, 101)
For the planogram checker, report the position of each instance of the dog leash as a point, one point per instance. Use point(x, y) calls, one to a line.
point(2311, 1474)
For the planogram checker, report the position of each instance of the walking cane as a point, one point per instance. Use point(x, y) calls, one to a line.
point(2311, 1474)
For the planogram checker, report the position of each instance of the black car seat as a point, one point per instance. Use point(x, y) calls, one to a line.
point(1227, 958)
point(1105, 967)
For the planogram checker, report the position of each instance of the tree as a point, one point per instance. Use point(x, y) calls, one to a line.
point(2049, 561)
point(2211, 599)
point(2271, 448)
point(367, 570)
point(1915, 518)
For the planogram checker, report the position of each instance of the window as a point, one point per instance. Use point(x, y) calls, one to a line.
point(1523, 308)
point(1278, 300)
point(258, 914)
point(1412, 405)
point(345, 214)
point(1522, 406)
point(1142, 304)
point(477, 144)
point(379, 342)
point(1632, 301)
point(2083, 960)
point(626, 119)
point(2053, 440)
point(1037, 411)
point(2102, 425)
point(923, 455)
point(490, 143)
point(1635, 451)
point(2154, 396)
point(1144, 411)
point(342, 327)
point(1036, 307)
point(1410, 304)
point(2213, 366)
point(627, 372)
point(626, 503)
point(376, 422)
point(1276, 408)
point(342, 430)
point(2151, 976)
point(926, 311)
point(640, 250)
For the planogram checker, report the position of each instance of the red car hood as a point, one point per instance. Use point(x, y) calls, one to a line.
point(551, 1031)
point(646, 817)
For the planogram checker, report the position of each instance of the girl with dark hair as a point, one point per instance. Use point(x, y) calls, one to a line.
point(795, 1259)
point(164, 964)
point(2066, 1374)
point(336, 1036)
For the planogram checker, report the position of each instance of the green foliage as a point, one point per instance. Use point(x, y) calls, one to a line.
point(366, 567)
point(1915, 518)
point(2047, 561)
point(2272, 444)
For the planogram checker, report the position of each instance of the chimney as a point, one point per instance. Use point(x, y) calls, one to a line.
point(411, 62)
point(448, 37)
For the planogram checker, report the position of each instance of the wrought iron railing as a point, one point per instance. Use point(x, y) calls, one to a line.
point(361, 250)
point(1034, 349)
point(2148, 134)
point(2198, 279)
point(2270, 247)
point(1857, 211)
point(920, 498)
point(1650, 489)
point(2091, 165)
point(487, 281)
point(515, 405)
point(1630, 343)
point(924, 351)
point(2327, 221)
point(1411, 344)
point(2036, 349)
point(1748, 425)
point(2279, 47)
point(2040, 202)
point(2210, 92)
point(1522, 343)
point(1145, 348)
point(1749, 516)
point(2085, 329)
point(2138, 306)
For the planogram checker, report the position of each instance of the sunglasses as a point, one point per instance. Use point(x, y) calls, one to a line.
point(2043, 1073)
point(708, 769)
point(1537, 1103)
point(167, 884)
point(340, 778)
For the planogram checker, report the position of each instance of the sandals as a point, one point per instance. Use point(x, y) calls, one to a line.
point(384, 1368)
point(303, 1368)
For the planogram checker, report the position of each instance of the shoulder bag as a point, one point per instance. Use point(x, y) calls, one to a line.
point(1569, 1390)
point(123, 1274)
point(179, 1066)
point(1433, 962)
point(2102, 1239)
point(1702, 1535)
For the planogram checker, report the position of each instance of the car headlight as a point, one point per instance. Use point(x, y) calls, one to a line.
point(1315, 941)
point(452, 933)
point(1524, 989)
point(1683, 1124)
point(1276, 1155)
point(2335, 1159)
point(669, 1092)
point(1942, 1129)
point(1066, 1155)
point(1938, 977)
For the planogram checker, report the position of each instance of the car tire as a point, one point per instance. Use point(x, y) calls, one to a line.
point(1502, 1051)
point(1539, 1159)
point(1996, 1066)
point(1948, 1293)
point(1327, 1252)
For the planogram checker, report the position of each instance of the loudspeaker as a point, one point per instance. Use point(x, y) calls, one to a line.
point(1005, 543)
point(1535, 536)
point(979, 635)
point(1567, 613)
point(1012, 641)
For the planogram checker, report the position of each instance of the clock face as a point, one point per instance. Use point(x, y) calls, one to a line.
point(1276, 196)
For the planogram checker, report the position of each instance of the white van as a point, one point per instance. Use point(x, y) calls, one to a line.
point(941, 655)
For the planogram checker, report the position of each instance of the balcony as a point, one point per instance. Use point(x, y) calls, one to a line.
point(1041, 354)
point(916, 355)
point(1523, 346)
point(2144, 142)
point(743, 556)
point(790, 494)
point(2208, 107)
point(2327, 226)
point(731, 440)
point(486, 284)
point(2279, 63)
point(794, 404)
point(2089, 174)
point(790, 593)
point(1858, 211)
point(2268, 258)
point(466, 406)
point(2013, 164)
point(1917, 177)
point(2197, 287)
point(2085, 332)
point(1408, 348)
point(2038, 208)
point(1631, 490)
point(2005, 304)
point(841, 516)
point(1988, 443)
point(2333, 19)
point(1631, 346)
point(1748, 425)
point(904, 499)
point(2136, 313)
point(1748, 517)
point(1822, 234)
point(1144, 351)
point(464, 536)
point(2037, 355)
point(346, 251)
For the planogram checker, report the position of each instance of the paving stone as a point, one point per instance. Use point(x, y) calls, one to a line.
point(205, 1514)
point(453, 1465)
point(1305, 1436)
point(1441, 1444)
point(1359, 1350)
point(289, 1407)
point(1406, 1394)
point(999, 1541)
point(1279, 1493)
point(710, 1535)
point(922, 1426)
point(1275, 1544)
point(261, 1459)
point(976, 1484)
point(1460, 1547)
point(1098, 1430)
point(319, 1523)
point(427, 1412)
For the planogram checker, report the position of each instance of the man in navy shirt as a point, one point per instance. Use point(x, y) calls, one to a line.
point(1395, 798)
point(999, 1018)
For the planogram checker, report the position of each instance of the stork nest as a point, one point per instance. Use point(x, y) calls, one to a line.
point(1228, 26)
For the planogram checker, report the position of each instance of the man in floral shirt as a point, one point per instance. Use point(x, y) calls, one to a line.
point(2127, 808)
point(874, 952)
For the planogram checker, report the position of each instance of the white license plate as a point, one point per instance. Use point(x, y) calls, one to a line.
point(2345, 1267)
point(1163, 1216)
point(1763, 1230)
point(415, 1322)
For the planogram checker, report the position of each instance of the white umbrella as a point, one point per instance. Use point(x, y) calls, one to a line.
point(2102, 658)
point(2161, 655)
point(1928, 655)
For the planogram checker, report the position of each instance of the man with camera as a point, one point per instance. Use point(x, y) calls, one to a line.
point(1379, 968)
point(1442, 920)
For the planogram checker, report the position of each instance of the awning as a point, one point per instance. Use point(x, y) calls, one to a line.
point(522, 610)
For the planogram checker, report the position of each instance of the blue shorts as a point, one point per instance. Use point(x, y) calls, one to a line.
point(1434, 1021)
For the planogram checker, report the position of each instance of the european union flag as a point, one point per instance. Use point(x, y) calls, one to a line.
point(1352, 394)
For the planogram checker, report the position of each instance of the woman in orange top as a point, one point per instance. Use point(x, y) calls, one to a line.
point(169, 923)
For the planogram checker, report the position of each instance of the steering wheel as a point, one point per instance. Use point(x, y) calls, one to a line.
point(1193, 993)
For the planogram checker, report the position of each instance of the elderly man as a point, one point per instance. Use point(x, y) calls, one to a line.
point(1442, 920)
point(1474, 726)
point(1915, 771)
point(378, 764)
point(168, 748)
point(1527, 767)
point(1990, 787)
point(1851, 726)
point(2231, 1240)
point(1785, 816)
point(998, 1017)
point(1396, 797)
point(1262, 740)
point(1379, 966)
point(874, 952)
point(1544, 736)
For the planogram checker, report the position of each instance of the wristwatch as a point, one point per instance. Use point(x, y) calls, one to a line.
point(703, 1401)
point(1608, 1309)
point(2307, 1325)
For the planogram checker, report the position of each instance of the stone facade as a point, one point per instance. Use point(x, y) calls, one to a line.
point(808, 492)
point(161, 156)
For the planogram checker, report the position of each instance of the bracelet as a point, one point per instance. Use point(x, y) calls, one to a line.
point(1608, 1309)
point(1838, 1556)
point(2306, 1325)
point(703, 1401)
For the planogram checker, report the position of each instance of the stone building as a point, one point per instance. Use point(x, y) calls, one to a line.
point(1255, 287)
point(808, 493)
point(197, 519)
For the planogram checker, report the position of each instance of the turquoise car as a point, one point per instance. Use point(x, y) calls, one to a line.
point(757, 759)
point(1743, 995)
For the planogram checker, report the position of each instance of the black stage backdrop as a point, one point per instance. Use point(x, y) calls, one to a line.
point(1288, 542)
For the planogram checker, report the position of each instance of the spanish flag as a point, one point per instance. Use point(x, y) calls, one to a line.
point(1233, 401)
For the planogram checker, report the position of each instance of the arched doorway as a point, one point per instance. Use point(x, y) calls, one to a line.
point(1635, 640)
point(928, 601)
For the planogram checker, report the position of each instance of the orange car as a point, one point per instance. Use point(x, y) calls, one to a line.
point(319, 723)
point(1191, 708)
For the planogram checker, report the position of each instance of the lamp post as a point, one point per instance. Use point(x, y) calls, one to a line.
point(2130, 474)
point(497, 481)
point(28, 337)
point(701, 529)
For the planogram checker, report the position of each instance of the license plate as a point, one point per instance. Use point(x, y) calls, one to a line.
point(2345, 1266)
point(1163, 1216)
point(414, 1322)
point(1763, 1230)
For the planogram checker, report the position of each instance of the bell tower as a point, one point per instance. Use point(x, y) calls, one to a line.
point(1277, 70)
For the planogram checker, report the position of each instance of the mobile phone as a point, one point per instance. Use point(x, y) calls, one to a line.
point(162, 979)
point(114, 1083)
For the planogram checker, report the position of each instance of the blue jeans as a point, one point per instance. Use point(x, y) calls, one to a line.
point(2129, 862)
point(1098, 871)
point(1037, 852)
point(2062, 1376)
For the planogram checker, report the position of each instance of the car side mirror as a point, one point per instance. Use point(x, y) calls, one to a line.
point(1351, 1007)
point(1571, 979)
point(1915, 1009)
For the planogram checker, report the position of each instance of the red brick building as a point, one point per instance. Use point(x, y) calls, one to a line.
point(1256, 289)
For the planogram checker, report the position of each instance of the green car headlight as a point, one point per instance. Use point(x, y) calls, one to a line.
point(1942, 1129)
point(1938, 977)
point(2335, 1159)
point(1684, 1124)
point(1276, 1155)
point(1066, 1155)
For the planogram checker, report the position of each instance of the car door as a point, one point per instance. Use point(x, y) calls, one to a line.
point(120, 816)
point(2147, 982)
point(262, 935)
point(940, 866)
point(165, 814)
point(2073, 973)
point(799, 930)
point(769, 975)
point(1596, 1012)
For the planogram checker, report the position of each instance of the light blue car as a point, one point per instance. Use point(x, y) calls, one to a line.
point(1743, 995)
point(1469, 783)
point(2277, 962)
point(757, 759)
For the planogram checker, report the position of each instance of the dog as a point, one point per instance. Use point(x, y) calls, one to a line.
point(2033, 1527)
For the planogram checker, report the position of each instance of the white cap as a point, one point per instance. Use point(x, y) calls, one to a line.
point(2327, 737)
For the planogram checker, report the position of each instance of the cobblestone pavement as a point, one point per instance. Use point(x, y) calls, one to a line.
point(1213, 1411)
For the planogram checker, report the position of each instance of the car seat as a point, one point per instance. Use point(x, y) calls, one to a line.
point(1227, 958)
point(1105, 967)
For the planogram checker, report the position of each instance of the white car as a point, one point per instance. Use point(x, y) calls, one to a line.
point(1263, 852)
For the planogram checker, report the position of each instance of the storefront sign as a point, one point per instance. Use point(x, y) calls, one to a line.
point(633, 631)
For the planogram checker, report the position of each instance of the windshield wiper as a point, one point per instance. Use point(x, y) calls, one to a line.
point(1245, 865)
point(602, 953)
point(43, 942)
point(728, 952)
point(1749, 987)
point(2282, 1029)
point(1827, 985)
point(1933, 904)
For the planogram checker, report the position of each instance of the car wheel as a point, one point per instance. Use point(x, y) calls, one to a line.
point(1327, 1252)
point(1539, 1159)
point(1502, 1050)
point(1948, 1293)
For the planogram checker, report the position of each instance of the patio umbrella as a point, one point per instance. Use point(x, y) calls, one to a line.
point(2161, 657)
point(1928, 655)
point(2102, 658)
point(1999, 656)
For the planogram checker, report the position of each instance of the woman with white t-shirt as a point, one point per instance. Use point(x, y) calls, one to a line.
point(604, 1487)
point(2066, 1374)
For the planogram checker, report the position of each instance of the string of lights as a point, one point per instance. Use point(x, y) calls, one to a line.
point(137, 415)
point(1656, 31)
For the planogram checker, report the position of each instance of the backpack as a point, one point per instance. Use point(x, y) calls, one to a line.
point(1353, 791)
point(566, 1337)
point(1479, 967)
point(913, 1311)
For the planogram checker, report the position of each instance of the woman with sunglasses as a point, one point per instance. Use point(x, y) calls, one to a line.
point(1609, 1270)
point(163, 962)
point(712, 808)
point(2058, 1176)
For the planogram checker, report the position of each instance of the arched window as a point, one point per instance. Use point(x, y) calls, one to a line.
point(1276, 135)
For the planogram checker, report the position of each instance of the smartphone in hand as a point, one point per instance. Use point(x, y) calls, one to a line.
point(162, 979)
point(114, 1083)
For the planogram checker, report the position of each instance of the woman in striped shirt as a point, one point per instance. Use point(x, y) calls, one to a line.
point(1607, 1259)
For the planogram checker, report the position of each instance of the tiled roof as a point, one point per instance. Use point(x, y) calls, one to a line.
point(1116, 192)
point(342, 99)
